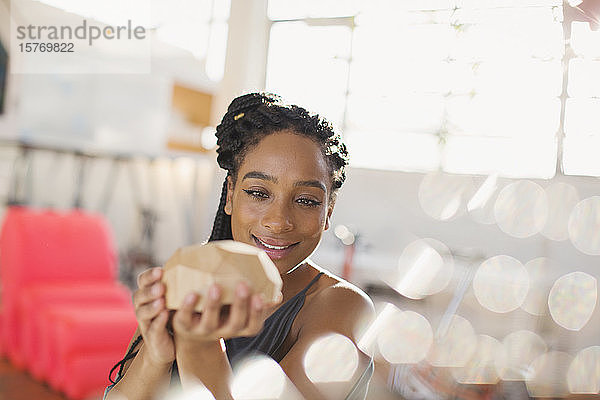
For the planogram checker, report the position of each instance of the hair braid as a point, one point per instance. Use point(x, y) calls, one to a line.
point(222, 224)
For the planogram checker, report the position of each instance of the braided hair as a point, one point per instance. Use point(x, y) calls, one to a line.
point(251, 117)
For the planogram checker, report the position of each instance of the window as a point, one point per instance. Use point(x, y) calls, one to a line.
point(470, 86)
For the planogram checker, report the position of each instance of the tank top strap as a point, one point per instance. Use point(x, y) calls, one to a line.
point(315, 279)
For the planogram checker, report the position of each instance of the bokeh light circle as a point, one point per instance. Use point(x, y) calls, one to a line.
point(519, 350)
point(584, 226)
point(454, 345)
point(481, 205)
point(331, 358)
point(368, 331)
point(521, 209)
point(258, 377)
point(562, 198)
point(548, 377)
point(405, 338)
point(583, 376)
point(572, 300)
point(424, 268)
point(501, 284)
point(195, 391)
point(539, 270)
point(480, 369)
point(444, 196)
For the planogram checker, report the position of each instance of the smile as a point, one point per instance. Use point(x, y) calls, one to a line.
point(268, 246)
point(274, 250)
point(272, 246)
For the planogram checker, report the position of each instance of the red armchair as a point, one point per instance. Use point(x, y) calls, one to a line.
point(61, 302)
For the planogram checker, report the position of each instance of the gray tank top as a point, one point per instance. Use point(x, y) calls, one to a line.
point(275, 330)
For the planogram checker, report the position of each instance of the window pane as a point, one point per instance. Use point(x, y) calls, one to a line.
point(406, 151)
point(527, 77)
point(376, 76)
point(515, 157)
point(416, 113)
point(309, 66)
point(503, 116)
point(509, 33)
point(584, 41)
point(584, 78)
point(403, 42)
point(582, 117)
point(581, 155)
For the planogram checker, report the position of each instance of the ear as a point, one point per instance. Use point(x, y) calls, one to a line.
point(228, 202)
point(329, 212)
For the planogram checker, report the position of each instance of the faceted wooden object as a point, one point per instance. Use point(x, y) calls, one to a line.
point(224, 262)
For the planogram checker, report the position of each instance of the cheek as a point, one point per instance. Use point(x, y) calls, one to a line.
point(246, 212)
point(312, 221)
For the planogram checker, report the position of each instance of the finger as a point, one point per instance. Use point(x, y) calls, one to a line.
point(238, 316)
point(149, 276)
point(255, 319)
point(184, 317)
point(148, 294)
point(211, 312)
point(149, 311)
point(158, 325)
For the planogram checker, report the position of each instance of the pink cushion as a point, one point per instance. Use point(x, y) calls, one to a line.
point(77, 331)
point(88, 374)
point(36, 300)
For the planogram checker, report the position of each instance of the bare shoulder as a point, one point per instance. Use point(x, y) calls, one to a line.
point(338, 305)
point(336, 289)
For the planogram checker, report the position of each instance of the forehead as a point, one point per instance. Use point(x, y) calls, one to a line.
point(287, 155)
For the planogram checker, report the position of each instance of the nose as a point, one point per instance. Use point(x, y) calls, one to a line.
point(278, 218)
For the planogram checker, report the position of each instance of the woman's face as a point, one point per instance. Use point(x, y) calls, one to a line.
point(280, 202)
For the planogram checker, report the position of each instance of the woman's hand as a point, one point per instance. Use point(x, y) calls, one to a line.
point(152, 316)
point(245, 318)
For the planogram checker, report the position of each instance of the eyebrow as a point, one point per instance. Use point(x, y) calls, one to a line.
point(266, 177)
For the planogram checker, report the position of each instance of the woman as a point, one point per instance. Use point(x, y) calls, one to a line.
point(284, 167)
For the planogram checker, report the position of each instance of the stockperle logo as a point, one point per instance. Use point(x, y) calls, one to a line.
point(49, 39)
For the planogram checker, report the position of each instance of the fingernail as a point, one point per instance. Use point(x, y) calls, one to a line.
point(214, 292)
point(156, 303)
point(190, 298)
point(156, 272)
point(242, 290)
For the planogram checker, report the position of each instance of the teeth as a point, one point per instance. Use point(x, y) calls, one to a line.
point(268, 246)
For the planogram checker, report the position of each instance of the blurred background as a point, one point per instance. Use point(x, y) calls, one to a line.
point(471, 213)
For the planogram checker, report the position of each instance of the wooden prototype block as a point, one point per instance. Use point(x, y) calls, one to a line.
point(224, 262)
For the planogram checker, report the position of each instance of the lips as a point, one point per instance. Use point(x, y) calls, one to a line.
point(275, 249)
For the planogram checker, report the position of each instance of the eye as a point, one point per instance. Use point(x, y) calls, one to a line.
point(308, 202)
point(257, 194)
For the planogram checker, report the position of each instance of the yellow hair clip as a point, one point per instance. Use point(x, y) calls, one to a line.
point(240, 115)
